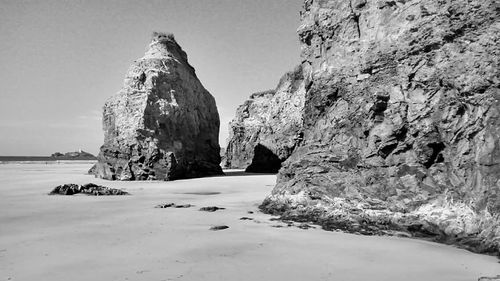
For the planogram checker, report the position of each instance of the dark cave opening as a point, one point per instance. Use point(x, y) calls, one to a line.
point(264, 161)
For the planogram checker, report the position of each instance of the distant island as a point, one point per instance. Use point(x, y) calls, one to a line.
point(76, 155)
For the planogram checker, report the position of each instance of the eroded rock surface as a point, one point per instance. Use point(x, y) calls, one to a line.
point(401, 121)
point(163, 124)
point(267, 127)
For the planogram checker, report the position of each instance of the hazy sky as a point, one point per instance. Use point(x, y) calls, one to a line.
point(60, 60)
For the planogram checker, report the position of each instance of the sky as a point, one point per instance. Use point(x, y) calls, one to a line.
point(61, 60)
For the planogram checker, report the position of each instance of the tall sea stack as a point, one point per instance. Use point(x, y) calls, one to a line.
point(163, 124)
point(401, 121)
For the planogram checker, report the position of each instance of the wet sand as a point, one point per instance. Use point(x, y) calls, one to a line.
point(125, 238)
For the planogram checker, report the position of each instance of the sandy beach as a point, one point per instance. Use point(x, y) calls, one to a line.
point(125, 238)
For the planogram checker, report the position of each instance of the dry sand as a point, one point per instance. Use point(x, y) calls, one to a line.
point(125, 238)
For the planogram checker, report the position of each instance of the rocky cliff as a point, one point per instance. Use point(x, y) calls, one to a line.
point(163, 124)
point(401, 121)
point(267, 127)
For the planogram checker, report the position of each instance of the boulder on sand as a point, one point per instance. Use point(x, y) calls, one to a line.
point(88, 189)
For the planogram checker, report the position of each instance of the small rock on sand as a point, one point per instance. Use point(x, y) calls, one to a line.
point(211, 209)
point(162, 206)
point(497, 278)
point(245, 218)
point(219, 227)
point(173, 205)
point(183, 206)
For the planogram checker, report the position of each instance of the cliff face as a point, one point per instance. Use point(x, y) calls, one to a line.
point(163, 124)
point(266, 128)
point(401, 120)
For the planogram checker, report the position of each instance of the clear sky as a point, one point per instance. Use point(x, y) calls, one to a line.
point(60, 60)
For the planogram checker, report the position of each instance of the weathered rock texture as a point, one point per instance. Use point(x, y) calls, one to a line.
point(87, 189)
point(267, 127)
point(163, 124)
point(401, 121)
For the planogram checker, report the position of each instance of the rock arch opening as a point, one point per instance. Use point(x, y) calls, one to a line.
point(264, 161)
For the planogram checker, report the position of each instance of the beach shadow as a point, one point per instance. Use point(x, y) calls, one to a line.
point(201, 193)
point(242, 173)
